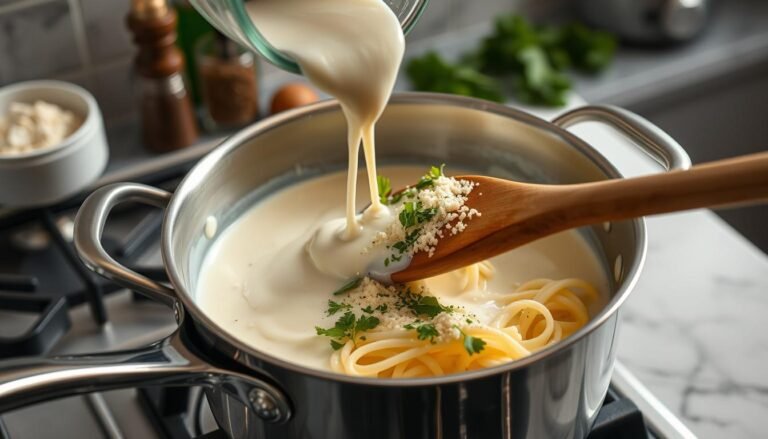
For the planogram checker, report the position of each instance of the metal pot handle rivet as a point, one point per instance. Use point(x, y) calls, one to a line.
point(264, 405)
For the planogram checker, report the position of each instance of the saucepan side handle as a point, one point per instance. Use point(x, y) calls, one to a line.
point(89, 225)
point(28, 381)
point(659, 145)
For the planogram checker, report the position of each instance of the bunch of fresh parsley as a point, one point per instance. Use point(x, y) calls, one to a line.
point(533, 58)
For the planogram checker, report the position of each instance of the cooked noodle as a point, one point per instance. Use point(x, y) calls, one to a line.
point(535, 315)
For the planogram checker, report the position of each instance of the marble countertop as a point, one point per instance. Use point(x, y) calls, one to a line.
point(691, 328)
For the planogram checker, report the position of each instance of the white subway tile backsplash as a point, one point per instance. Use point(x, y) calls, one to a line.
point(114, 88)
point(37, 42)
point(105, 28)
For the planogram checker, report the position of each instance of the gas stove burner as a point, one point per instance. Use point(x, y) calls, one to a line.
point(44, 277)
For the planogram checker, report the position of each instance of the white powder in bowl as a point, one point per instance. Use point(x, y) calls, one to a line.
point(29, 127)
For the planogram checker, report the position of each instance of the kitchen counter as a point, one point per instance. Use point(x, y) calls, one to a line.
point(692, 328)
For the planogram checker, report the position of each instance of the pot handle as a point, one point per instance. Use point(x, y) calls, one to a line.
point(169, 362)
point(659, 145)
point(89, 225)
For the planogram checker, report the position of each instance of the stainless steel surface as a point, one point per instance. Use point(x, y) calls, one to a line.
point(553, 393)
point(89, 226)
point(169, 362)
point(683, 19)
point(659, 145)
point(648, 21)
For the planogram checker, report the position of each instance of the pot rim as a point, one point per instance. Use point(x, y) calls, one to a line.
point(209, 162)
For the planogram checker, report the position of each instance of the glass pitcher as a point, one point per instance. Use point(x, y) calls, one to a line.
point(231, 18)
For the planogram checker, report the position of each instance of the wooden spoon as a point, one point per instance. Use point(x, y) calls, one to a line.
point(515, 213)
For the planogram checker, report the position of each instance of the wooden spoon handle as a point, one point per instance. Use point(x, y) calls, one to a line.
point(730, 181)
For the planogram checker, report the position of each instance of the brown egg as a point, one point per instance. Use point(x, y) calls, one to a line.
point(291, 96)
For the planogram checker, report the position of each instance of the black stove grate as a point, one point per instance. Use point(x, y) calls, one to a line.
point(46, 282)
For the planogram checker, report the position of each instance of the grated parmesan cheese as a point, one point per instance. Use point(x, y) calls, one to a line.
point(29, 127)
point(446, 197)
point(387, 303)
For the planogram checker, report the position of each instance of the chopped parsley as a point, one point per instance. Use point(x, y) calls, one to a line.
point(385, 189)
point(413, 214)
point(473, 345)
point(334, 307)
point(429, 178)
point(427, 332)
point(428, 305)
point(368, 309)
point(422, 305)
point(349, 286)
point(424, 331)
point(366, 323)
point(385, 186)
point(347, 327)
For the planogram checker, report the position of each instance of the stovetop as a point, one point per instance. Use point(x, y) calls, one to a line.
point(50, 304)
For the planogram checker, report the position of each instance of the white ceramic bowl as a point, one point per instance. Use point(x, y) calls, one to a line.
point(53, 174)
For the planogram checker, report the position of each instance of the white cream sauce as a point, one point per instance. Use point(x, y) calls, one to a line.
point(271, 296)
point(351, 49)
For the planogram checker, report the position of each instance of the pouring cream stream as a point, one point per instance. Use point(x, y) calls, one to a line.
point(361, 75)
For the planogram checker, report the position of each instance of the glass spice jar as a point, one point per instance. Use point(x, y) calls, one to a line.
point(228, 82)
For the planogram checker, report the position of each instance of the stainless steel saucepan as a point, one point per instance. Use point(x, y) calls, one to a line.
point(554, 393)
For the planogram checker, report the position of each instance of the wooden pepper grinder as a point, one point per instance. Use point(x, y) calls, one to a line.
point(167, 115)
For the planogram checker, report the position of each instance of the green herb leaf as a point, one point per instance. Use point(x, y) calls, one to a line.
point(347, 321)
point(349, 286)
point(436, 172)
point(473, 345)
point(532, 57)
point(540, 83)
point(346, 328)
point(334, 332)
point(407, 193)
point(432, 73)
point(334, 307)
point(368, 309)
point(382, 308)
point(427, 305)
point(427, 332)
point(366, 323)
point(385, 189)
point(414, 214)
point(408, 215)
